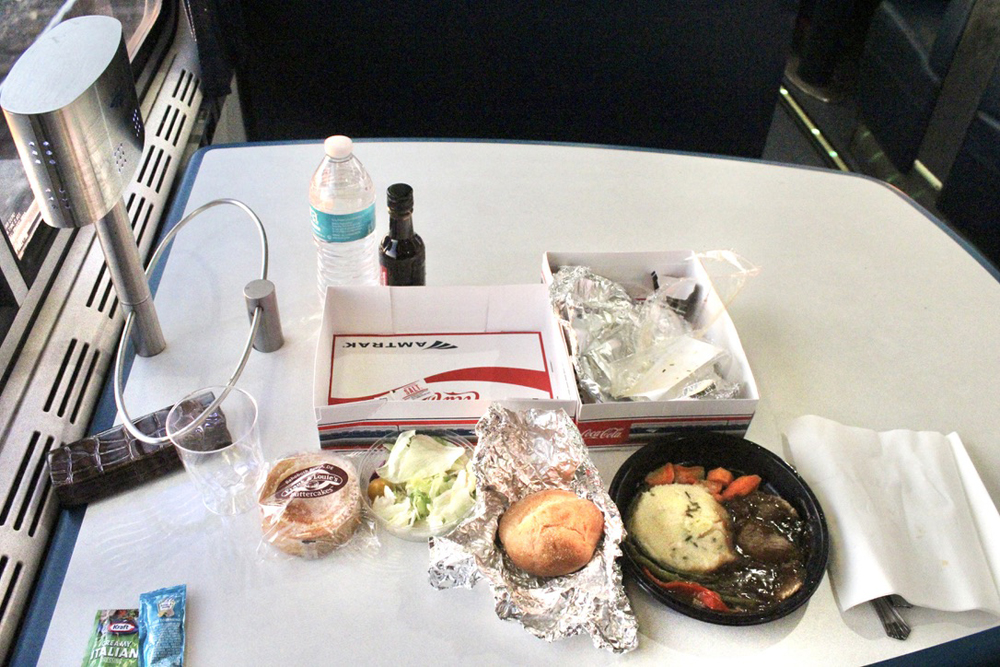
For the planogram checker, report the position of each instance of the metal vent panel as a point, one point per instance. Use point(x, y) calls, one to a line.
point(72, 382)
point(10, 577)
point(57, 378)
point(26, 498)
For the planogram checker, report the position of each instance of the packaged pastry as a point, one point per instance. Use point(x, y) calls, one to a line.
point(310, 504)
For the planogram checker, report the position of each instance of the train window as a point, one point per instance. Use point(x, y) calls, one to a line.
point(8, 305)
point(26, 239)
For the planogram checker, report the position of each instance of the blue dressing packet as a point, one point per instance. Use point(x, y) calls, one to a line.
point(161, 627)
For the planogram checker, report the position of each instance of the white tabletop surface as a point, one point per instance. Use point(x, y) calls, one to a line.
point(864, 312)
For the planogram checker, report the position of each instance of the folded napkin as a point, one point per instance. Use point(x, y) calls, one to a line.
point(908, 514)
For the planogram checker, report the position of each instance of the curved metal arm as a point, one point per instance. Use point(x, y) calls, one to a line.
point(254, 325)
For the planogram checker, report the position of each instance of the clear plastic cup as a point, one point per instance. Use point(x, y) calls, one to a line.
point(222, 453)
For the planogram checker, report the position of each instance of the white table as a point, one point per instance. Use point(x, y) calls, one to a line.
point(865, 311)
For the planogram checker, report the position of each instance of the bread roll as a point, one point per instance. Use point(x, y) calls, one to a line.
point(310, 504)
point(551, 533)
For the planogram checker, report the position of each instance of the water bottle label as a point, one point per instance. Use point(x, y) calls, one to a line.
point(342, 228)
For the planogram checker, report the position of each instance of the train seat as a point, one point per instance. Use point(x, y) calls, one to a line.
point(970, 196)
point(697, 75)
point(907, 53)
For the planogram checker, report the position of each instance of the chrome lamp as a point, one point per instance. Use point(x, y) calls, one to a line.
point(71, 104)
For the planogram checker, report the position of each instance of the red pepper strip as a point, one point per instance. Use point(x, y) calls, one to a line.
point(706, 596)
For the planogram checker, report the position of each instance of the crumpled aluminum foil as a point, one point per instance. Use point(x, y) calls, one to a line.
point(595, 314)
point(520, 453)
point(613, 340)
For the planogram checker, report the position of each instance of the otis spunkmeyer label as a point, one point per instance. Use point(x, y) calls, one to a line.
point(312, 482)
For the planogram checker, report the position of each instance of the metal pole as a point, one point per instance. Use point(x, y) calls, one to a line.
point(122, 257)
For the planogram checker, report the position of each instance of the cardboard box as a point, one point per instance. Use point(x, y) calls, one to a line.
point(612, 424)
point(390, 359)
point(434, 358)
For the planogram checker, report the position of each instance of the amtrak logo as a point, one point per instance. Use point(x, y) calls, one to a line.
point(399, 345)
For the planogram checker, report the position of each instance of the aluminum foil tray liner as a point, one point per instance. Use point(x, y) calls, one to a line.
point(520, 453)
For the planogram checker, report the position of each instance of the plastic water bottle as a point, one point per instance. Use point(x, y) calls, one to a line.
point(342, 209)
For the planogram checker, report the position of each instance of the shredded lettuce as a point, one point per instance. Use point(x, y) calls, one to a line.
point(429, 480)
point(417, 455)
point(453, 503)
point(395, 510)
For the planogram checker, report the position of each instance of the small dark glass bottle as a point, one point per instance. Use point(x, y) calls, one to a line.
point(401, 253)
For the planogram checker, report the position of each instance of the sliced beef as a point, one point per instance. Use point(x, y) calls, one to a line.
point(764, 543)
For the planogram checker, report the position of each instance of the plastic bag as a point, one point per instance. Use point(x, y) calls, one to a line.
point(640, 342)
point(310, 506)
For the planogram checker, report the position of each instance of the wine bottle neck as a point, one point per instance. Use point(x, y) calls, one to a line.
point(401, 225)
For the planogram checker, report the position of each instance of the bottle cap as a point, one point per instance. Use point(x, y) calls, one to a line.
point(399, 197)
point(338, 146)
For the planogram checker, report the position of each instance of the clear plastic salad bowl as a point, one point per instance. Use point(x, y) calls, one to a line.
point(418, 530)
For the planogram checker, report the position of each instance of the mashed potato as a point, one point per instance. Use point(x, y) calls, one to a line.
point(682, 527)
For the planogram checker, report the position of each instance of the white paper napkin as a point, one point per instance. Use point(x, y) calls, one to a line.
point(907, 512)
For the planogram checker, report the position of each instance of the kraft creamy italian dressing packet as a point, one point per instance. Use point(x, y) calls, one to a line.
point(115, 640)
point(161, 627)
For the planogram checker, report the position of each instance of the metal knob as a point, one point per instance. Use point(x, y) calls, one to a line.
point(260, 295)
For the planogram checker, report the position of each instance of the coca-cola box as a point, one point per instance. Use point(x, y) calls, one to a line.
point(433, 358)
point(613, 424)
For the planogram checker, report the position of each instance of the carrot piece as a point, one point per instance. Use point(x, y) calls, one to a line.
point(688, 474)
point(713, 486)
point(720, 475)
point(741, 486)
point(662, 475)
